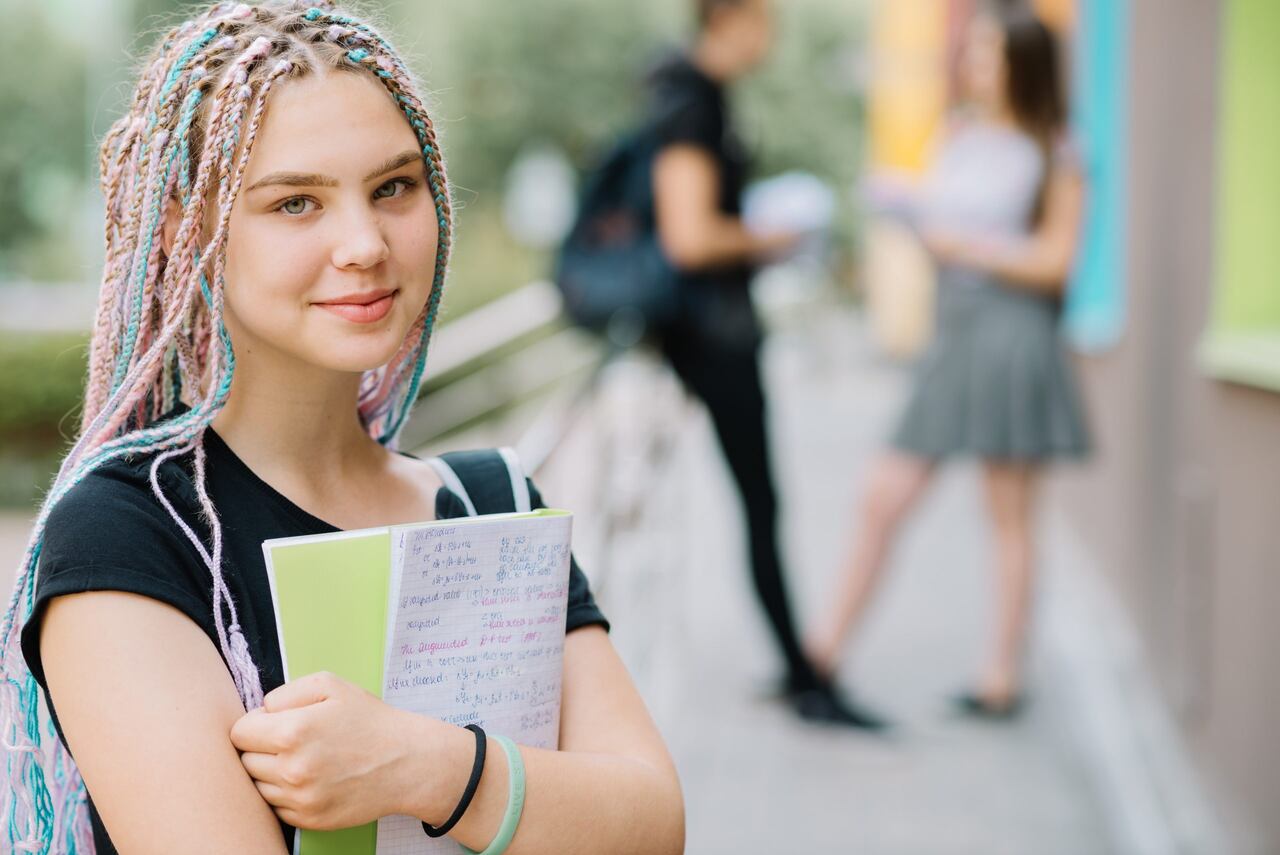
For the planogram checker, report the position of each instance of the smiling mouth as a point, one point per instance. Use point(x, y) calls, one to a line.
point(352, 309)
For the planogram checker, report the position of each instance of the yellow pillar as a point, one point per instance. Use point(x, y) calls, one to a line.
point(905, 108)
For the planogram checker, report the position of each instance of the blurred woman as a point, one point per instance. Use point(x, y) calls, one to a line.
point(1000, 214)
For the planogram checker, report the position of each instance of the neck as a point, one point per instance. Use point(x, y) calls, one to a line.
point(295, 424)
point(997, 112)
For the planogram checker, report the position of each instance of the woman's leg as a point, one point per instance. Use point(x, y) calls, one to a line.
point(896, 484)
point(1010, 489)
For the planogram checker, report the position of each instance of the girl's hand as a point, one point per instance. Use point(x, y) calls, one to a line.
point(326, 754)
point(946, 247)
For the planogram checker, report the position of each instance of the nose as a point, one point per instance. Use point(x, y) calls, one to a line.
point(360, 243)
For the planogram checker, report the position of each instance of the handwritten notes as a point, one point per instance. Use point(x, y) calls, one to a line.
point(475, 635)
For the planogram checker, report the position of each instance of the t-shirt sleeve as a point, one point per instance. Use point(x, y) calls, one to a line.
point(110, 534)
point(687, 119)
point(582, 609)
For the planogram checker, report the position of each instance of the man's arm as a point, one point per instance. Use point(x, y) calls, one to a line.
point(694, 233)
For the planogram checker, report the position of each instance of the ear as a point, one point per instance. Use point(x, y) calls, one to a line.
point(169, 226)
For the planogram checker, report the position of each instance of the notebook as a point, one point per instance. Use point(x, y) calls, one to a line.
point(460, 619)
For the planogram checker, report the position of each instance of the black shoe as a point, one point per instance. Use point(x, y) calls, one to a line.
point(824, 704)
point(973, 704)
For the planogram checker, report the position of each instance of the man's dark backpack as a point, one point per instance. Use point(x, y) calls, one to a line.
point(611, 270)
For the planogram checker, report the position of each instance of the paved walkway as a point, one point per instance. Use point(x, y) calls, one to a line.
point(756, 780)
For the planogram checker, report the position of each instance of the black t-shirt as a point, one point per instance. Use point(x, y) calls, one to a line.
point(109, 533)
point(688, 107)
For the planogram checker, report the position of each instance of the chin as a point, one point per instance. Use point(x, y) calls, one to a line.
point(352, 352)
point(356, 358)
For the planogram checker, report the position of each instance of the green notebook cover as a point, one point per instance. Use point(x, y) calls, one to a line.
point(331, 605)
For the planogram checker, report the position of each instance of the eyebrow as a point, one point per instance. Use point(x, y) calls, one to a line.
point(309, 179)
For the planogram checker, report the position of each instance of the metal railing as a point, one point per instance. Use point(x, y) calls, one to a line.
point(514, 351)
point(514, 372)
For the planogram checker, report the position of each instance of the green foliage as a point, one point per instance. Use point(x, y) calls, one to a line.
point(41, 382)
point(42, 147)
point(506, 74)
point(568, 72)
point(486, 263)
point(802, 110)
point(502, 75)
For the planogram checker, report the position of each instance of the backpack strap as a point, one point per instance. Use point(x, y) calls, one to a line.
point(487, 481)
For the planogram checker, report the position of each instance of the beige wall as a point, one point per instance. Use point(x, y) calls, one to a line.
point(1181, 506)
point(1239, 732)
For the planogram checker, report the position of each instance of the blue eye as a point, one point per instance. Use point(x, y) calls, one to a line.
point(295, 206)
point(392, 185)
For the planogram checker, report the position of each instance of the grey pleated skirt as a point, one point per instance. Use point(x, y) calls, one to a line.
point(996, 382)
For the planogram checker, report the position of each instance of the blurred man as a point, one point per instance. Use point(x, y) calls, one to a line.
point(714, 342)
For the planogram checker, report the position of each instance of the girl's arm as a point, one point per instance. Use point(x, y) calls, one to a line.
point(327, 754)
point(146, 704)
point(1042, 260)
point(611, 788)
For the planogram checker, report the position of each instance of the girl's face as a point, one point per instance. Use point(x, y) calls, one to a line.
point(982, 66)
point(332, 242)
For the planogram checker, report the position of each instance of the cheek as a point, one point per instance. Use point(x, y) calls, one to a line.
point(978, 74)
point(414, 244)
point(269, 274)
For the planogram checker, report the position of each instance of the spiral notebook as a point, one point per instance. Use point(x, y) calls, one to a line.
point(460, 619)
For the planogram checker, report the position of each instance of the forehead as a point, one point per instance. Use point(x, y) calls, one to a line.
point(326, 122)
point(984, 28)
point(756, 8)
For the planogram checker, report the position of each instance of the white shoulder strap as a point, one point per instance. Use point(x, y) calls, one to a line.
point(453, 483)
point(519, 486)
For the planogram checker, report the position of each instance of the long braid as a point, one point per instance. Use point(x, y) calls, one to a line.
point(386, 403)
point(159, 335)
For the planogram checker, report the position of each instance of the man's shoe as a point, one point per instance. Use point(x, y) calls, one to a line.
point(824, 704)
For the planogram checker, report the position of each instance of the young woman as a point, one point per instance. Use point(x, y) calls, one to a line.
point(277, 231)
point(1000, 213)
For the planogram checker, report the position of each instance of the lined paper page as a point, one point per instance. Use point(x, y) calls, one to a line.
point(476, 636)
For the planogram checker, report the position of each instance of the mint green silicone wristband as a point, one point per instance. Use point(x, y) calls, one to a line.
point(515, 800)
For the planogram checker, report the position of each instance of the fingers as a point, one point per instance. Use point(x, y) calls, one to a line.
point(251, 732)
point(274, 795)
point(304, 691)
point(270, 733)
point(295, 809)
point(263, 768)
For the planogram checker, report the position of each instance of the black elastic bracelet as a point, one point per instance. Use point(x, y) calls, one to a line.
point(477, 768)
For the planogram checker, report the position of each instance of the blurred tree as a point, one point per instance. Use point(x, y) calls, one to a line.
point(803, 109)
point(503, 74)
point(568, 72)
point(42, 146)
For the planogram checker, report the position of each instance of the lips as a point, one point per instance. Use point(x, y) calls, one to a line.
point(364, 308)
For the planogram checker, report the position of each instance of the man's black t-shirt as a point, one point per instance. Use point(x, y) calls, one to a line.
point(688, 107)
point(111, 533)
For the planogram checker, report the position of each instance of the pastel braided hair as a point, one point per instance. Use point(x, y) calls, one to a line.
point(159, 338)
